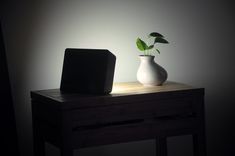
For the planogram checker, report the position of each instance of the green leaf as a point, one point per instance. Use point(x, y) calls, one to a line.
point(160, 40)
point(142, 46)
point(156, 34)
point(150, 47)
point(158, 51)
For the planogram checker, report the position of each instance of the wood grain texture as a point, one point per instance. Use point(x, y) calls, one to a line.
point(127, 92)
point(137, 88)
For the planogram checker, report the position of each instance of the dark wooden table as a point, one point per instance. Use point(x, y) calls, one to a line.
point(131, 112)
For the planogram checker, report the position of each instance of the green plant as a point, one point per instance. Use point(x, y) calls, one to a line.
point(152, 40)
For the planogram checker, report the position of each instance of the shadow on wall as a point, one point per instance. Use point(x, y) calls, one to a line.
point(8, 131)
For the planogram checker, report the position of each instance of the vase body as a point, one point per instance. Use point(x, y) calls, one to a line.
point(150, 73)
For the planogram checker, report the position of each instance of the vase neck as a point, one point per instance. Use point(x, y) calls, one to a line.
point(146, 58)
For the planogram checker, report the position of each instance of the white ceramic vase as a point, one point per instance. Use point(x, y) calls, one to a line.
point(149, 72)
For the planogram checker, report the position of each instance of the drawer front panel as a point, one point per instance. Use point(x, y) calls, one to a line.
point(131, 132)
point(132, 111)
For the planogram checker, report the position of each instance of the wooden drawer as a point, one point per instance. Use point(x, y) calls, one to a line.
point(87, 136)
point(132, 111)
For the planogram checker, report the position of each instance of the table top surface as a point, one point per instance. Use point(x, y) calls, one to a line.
point(121, 89)
point(129, 88)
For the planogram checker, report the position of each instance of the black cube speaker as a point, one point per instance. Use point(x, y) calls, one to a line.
point(88, 71)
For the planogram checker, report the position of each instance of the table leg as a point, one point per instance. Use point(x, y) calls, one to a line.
point(199, 144)
point(38, 140)
point(161, 146)
point(199, 138)
point(66, 134)
point(65, 151)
